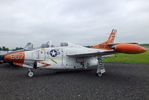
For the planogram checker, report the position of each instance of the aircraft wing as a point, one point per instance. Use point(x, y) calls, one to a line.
point(93, 54)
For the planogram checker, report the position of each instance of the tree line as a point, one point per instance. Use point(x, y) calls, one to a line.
point(3, 48)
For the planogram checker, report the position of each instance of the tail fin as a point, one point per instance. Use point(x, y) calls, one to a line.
point(105, 45)
point(111, 37)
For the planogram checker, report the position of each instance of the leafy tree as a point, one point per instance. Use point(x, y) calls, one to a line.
point(4, 48)
point(17, 48)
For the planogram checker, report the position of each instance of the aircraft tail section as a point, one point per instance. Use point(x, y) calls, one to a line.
point(105, 45)
point(111, 37)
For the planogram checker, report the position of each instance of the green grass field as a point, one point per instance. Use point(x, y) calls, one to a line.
point(129, 59)
point(145, 45)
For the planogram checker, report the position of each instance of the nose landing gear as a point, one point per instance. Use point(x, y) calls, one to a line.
point(30, 73)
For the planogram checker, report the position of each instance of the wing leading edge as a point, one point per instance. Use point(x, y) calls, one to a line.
point(93, 54)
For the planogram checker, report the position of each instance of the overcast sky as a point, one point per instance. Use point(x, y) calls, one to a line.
point(84, 22)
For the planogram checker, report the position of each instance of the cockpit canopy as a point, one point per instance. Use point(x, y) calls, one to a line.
point(64, 44)
point(67, 44)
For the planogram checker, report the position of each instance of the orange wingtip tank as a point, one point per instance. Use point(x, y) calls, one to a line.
point(129, 48)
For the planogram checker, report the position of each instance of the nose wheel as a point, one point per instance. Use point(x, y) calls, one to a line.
point(30, 73)
point(99, 74)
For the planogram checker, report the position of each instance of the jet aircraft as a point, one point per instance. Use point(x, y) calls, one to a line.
point(70, 56)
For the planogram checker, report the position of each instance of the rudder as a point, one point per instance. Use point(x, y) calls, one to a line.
point(105, 45)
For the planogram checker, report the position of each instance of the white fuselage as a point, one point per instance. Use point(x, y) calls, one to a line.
point(56, 58)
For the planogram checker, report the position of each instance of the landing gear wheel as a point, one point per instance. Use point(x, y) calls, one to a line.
point(99, 74)
point(30, 73)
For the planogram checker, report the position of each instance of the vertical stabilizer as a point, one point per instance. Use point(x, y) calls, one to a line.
point(111, 37)
point(105, 45)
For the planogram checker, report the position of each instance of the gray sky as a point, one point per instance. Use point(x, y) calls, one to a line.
point(84, 22)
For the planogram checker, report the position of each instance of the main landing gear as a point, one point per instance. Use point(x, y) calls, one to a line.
point(30, 73)
point(100, 67)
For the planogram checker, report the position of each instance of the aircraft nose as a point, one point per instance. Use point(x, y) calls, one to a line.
point(8, 58)
point(17, 57)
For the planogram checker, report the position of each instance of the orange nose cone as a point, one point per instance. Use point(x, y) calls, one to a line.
point(17, 57)
point(8, 58)
point(129, 48)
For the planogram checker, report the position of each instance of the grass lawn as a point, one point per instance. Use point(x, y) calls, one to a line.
point(129, 58)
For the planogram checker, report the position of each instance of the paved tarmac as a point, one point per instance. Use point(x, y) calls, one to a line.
point(121, 82)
